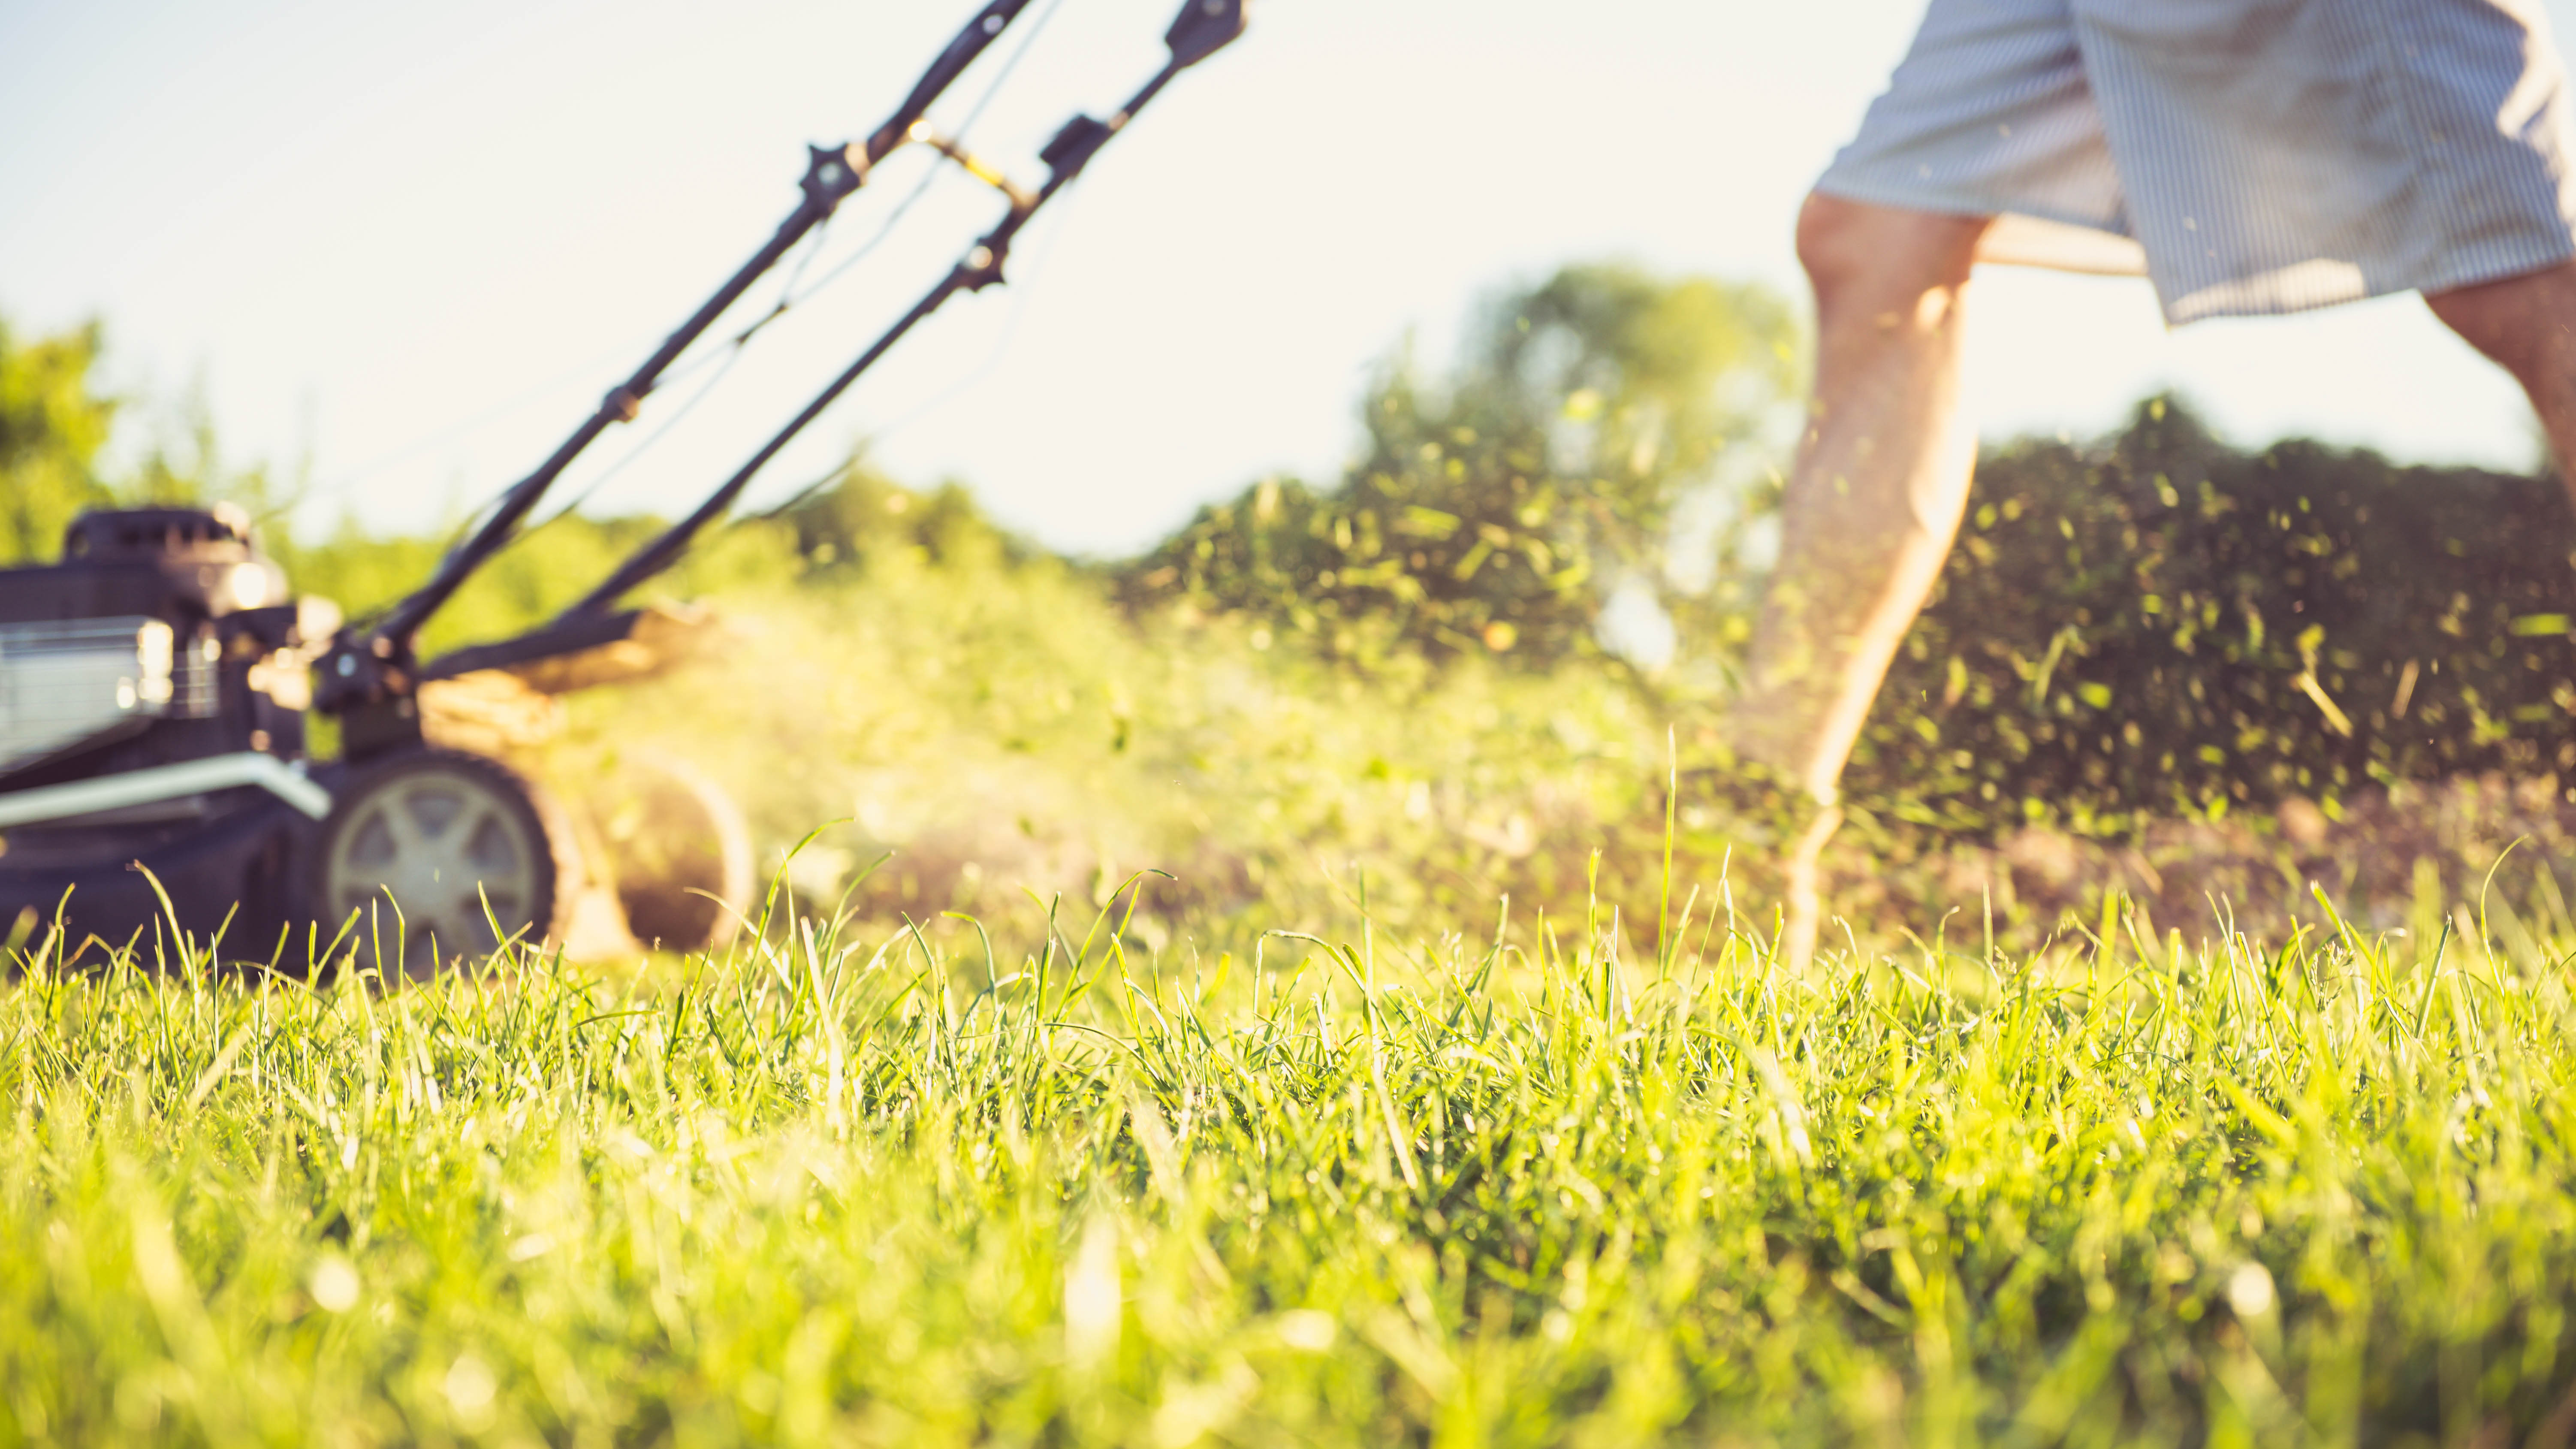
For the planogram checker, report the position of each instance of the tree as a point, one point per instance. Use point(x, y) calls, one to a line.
point(52, 426)
point(1498, 513)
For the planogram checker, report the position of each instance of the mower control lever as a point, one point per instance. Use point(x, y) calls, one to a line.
point(372, 667)
point(1204, 27)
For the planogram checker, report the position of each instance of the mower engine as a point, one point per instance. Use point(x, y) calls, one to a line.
point(152, 689)
point(83, 682)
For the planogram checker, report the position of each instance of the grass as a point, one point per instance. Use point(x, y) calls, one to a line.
point(1513, 1189)
point(1159, 1167)
point(1001, 729)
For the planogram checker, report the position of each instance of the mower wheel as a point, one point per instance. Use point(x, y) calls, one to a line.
point(677, 848)
point(449, 853)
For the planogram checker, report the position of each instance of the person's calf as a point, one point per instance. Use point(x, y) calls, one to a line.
point(2527, 326)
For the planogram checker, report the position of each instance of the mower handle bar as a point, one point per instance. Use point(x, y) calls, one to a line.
point(1204, 26)
point(831, 175)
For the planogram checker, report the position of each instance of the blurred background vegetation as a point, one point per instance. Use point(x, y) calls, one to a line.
point(1450, 672)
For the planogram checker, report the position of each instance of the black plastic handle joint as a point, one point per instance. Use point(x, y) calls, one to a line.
point(1073, 146)
point(831, 174)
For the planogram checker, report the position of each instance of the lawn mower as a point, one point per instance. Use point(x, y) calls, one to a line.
point(155, 681)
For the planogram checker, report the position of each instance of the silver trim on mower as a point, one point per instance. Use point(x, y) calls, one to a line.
point(166, 782)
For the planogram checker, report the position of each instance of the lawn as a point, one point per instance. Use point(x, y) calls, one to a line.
point(1306, 984)
point(1535, 1185)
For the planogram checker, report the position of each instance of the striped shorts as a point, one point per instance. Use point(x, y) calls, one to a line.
point(2250, 156)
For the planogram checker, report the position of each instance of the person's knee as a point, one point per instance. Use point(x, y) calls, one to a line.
point(1862, 254)
point(2480, 319)
point(2518, 321)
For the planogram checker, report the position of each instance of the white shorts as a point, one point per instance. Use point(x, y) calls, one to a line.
point(2251, 156)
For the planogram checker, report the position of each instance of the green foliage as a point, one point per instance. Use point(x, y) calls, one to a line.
point(1002, 727)
point(55, 421)
point(52, 426)
point(832, 533)
point(839, 1188)
point(2162, 623)
point(1498, 512)
point(863, 517)
point(526, 584)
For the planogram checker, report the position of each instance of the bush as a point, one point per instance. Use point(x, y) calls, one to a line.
point(1498, 512)
point(2162, 623)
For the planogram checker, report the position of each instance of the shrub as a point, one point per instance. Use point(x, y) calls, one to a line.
point(1497, 513)
point(2160, 622)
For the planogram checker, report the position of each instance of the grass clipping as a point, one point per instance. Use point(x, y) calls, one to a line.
point(831, 1188)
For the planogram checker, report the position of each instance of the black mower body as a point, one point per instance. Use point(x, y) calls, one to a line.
point(232, 878)
point(162, 637)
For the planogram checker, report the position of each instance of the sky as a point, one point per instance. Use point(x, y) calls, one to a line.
point(399, 251)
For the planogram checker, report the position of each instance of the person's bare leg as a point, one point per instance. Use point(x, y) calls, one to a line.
point(1872, 506)
point(2527, 325)
point(1880, 480)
